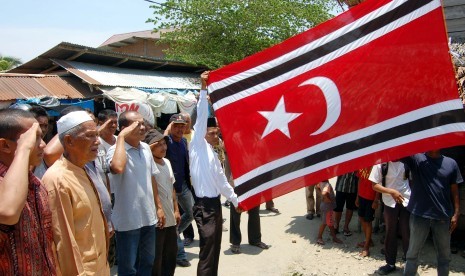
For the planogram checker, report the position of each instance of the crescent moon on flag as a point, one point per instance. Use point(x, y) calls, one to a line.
point(333, 101)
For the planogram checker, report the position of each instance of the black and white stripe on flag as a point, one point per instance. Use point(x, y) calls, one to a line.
point(316, 53)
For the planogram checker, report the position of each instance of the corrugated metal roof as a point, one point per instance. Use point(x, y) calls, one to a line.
point(112, 76)
point(73, 52)
point(25, 86)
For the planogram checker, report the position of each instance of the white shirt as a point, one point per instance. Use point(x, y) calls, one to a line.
point(207, 174)
point(134, 206)
point(395, 179)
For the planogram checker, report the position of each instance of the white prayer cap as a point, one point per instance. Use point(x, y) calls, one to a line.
point(71, 120)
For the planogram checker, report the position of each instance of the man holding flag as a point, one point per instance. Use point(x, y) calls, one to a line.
point(209, 181)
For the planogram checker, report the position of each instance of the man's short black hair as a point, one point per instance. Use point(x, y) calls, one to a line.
point(105, 114)
point(10, 124)
point(38, 111)
point(123, 120)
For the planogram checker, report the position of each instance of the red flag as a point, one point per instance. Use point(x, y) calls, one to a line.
point(373, 84)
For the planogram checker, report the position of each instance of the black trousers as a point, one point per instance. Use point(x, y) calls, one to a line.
point(397, 220)
point(253, 226)
point(166, 249)
point(209, 219)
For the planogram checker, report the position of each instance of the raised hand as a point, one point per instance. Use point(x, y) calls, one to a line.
point(28, 140)
point(104, 126)
point(134, 127)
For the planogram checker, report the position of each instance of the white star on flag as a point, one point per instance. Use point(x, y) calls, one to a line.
point(278, 119)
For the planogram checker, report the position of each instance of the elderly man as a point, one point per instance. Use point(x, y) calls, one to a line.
point(79, 225)
point(135, 217)
point(209, 181)
point(25, 216)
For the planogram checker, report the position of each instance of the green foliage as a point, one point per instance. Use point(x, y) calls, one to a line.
point(7, 63)
point(216, 33)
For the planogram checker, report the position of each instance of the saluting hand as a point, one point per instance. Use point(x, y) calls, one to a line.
point(134, 127)
point(104, 126)
point(28, 140)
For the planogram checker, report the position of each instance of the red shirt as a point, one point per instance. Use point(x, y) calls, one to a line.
point(26, 247)
point(365, 188)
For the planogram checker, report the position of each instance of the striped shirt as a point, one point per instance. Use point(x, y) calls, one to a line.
point(347, 183)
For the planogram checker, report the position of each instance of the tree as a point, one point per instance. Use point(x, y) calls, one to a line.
point(7, 63)
point(215, 33)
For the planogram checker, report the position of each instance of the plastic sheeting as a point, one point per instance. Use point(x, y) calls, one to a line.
point(161, 101)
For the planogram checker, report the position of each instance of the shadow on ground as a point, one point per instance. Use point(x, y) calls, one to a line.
point(308, 230)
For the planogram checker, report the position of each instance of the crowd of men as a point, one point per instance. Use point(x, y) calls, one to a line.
point(67, 207)
point(415, 194)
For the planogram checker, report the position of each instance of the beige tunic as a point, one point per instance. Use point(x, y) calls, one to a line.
point(79, 227)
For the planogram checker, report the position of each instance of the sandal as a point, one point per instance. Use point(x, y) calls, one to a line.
point(262, 245)
point(320, 242)
point(274, 210)
point(236, 249)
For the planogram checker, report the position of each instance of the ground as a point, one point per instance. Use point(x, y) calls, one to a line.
point(294, 251)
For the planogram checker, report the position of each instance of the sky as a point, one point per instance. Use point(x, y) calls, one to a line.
point(29, 28)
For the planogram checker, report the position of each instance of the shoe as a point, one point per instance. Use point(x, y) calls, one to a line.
point(183, 263)
point(188, 241)
point(309, 216)
point(262, 245)
point(236, 249)
point(386, 269)
point(274, 210)
point(318, 215)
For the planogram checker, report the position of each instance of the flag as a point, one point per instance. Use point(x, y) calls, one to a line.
point(373, 84)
